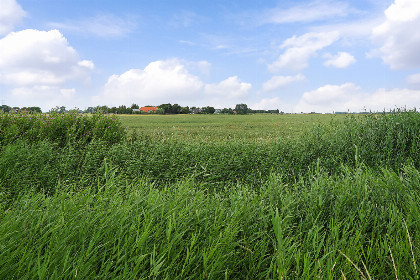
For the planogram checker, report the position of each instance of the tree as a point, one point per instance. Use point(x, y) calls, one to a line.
point(122, 109)
point(61, 109)
point(5, 108)
point(167, 108)
point(90, 110)
point(208, 110)
point(227, 111)
point(176, 109)
point(241, 109)
point(135, 106)
point(185, 110)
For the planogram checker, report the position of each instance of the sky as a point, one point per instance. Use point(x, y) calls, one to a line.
point(296, 56)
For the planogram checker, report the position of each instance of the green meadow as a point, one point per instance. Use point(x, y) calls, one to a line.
point(255, 127)
point(210, 196)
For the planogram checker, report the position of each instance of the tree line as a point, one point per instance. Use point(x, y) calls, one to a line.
point(163, 109)
point(8, 109)
point(168, 108)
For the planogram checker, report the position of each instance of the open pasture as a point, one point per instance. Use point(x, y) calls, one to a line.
point(256, 127)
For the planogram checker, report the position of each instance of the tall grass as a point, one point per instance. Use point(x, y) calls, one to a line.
point(63, 129)
point(320, 227)
point(376, 141)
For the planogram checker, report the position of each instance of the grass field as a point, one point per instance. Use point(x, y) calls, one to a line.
point(259, 127)
point(209, 197)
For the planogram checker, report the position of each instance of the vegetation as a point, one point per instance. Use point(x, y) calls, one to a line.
point(338, 199)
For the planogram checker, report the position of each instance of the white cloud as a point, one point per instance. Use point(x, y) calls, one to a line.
point(159, 82)
point(230, 88)
point(349, 96)
point(340, 60)
point(11, 13)
point(32, 57)
point(398, 36)
point(300, 49)
point(45, 96)
point(413, 81)
point(169, 81)
point(104, 25)
point(272, 104)
point(307, 12)
point(355, 29)
point(277, 82)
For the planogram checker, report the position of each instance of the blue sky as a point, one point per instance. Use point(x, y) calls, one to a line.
point(296, 56)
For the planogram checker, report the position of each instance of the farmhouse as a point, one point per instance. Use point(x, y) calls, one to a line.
point(148, 109)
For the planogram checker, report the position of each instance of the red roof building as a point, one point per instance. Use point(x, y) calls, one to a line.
point(148, 109)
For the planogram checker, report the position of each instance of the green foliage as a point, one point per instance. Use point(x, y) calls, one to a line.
point(60, 128)
point(241, 109)
point(208, 110)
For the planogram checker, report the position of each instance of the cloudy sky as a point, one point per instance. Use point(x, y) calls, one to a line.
point(292, 55)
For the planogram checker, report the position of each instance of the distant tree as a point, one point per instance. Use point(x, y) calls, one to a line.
point(159, 111)
point(241, 109)
point(61, 109)
point(167, 108)
point(176, 109)
point(36, 109)
point(124, 110)
point(5, 108)
point(185, 110)
point(32, 109)
point(135, 106)
point(227, 111)
point(104, 109)
point(208, 110)
point(90, 110)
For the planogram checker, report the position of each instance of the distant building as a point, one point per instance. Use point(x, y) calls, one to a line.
point(195, 110)
point(148, 109)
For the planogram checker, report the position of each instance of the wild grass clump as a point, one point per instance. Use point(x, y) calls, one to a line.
point(60, 128)
point(377, 140)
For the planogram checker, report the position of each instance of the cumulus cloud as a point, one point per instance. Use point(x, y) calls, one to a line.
point(104, 25)
point(340, 60)
point(307, 12)
point(272, 104)
point(32, 57)
point(230, 88)
point(277, 82)
point(51, 96)
point(170, 81)
point(413, 81)
point(159, 82)
point(398, 36)
point(299, 49)
point(11, 13)
point(350, 97)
